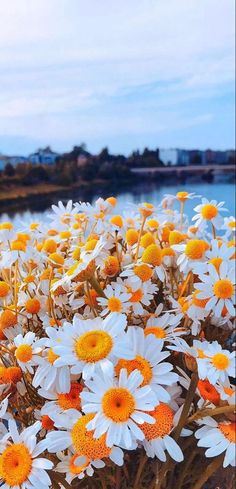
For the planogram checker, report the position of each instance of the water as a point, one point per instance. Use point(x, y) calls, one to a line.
point(145, 192)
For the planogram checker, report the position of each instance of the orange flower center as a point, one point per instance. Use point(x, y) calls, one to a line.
point(15, 464)
point(208, 391)
point(47, 423)
point(84, 442)
point(51, 356)
point(72, 399)
point(229, 431)
point(158, 332)
point(195, 249)
point(223, 289)
point(152, 255)
point(139, 363)
point(32, 306)
point(182, 196)
point(24, 353)
point(164, 416)
point(144, 272)
point(114, 304)
point(209, 211)
point(118, 404)
point(4, 288)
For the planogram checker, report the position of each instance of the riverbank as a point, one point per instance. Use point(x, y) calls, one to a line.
point(14, 198)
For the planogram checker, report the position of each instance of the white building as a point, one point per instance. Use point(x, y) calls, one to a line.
point(45, 156)
point(169, 156)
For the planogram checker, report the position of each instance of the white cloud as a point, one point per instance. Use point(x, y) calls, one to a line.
point(71, 68)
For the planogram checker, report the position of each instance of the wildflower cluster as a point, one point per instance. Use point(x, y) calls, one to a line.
point(117, 346)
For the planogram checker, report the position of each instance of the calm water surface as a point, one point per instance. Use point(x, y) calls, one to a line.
point(146, 192)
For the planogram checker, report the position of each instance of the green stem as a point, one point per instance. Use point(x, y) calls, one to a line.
point(96, 286)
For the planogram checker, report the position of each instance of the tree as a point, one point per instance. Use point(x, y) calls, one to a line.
point(9, 170)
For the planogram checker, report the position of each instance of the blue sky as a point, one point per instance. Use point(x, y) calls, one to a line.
point(127, 74)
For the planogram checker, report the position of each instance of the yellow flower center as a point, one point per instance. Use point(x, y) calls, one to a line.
point(24, 353)
point(114, 304)
point(220, 361)
point(198, 302)
point(93, 346)
point(195, 249)
point(32, 306)
point(144, 272)
point(164, 416)
point(229, 431)
point(6, 225)
point(15, 464)
point(50, 246)
point(34, 225)
point(65, 234)
point(146, 210)
point(111, 266)
point(232, 224)
point(118, 404)
point(182, 196)
point(18, 245)
point(117, 221)
point(158, 332)
point(209, 211)
point(136, 295)
point(56, 259)
point(112, 201)
point(223, 289)
point(4, 288)
point(147, 239)
point(139, 363)
point(175, 237)
point(84, 442)
point(51, 356)
point(131, 236)
point(216, 262)
point(72, 399)
point(152, 255)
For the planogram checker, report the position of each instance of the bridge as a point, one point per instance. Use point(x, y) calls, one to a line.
point(201, 169)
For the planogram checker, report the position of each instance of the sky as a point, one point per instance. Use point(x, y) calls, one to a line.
point(124, 74)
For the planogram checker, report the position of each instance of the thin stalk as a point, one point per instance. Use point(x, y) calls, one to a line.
point(212, 412)
point(209, 471)
point(139, 238)
point(96, 286)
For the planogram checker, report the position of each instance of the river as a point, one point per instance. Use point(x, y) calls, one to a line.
point(145, 192)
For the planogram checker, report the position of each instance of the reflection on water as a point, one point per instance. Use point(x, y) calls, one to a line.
point(144, 192)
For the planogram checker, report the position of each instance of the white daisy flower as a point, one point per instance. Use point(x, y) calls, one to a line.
point(120, 406)
point(164, 327)
point(116, 300)
point(82, 441)
point(218, 437)
point(148, 361)
point(190, 253)
point(157, 436)
point(230, 226)
point(87, 345)
point(27, 351)
point(218, 288)
point(20, 466)
point(216, 363)
point(48, 375)
point(209, 211)
point(141, 295)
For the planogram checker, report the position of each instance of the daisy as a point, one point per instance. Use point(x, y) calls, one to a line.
point(81, 440)
point(60, 402)
point(190, 254)
point(33, 306)
point(218, 287)
point(116, 299)
point(63, 214)
point(216, 363)
point(217, 253)
point(48, 375)
point(87, 345)
point(141, 295)
point(75, 466)
point(148, 361)
point(20, 467)
point(209, 211)
point(164, 327)
point(218, 437)
point(230, 226)
point(157, 436)
point(27, 351)
point(120, 406)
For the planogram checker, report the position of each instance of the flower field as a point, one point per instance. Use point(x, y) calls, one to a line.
point(117, 347)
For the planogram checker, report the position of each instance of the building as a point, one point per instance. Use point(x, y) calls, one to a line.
point(183, 157)
point(16, 160)
point(45, 156)
point(169, 157)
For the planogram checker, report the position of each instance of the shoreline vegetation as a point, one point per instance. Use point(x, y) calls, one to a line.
point(29, 185)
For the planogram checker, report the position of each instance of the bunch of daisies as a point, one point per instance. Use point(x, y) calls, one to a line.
point(117, 346)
